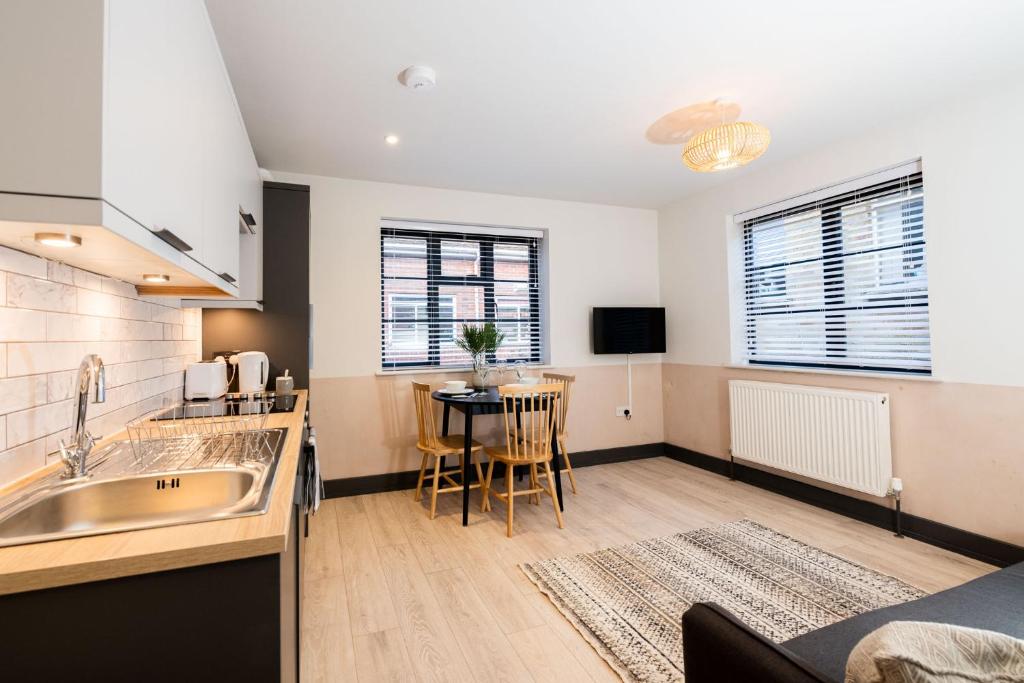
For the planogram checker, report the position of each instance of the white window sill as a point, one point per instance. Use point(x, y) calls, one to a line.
point(451, 370)
point(899, 376)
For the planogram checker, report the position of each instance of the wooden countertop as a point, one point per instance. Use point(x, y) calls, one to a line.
point(94, 558)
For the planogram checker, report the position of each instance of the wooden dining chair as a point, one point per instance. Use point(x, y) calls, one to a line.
point(432, 445)
point(563, 412)
point(527, 444)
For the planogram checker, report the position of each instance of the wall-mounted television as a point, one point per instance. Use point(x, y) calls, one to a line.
point(629, 330)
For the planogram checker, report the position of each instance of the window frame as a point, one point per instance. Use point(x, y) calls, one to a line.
point(484, 279)
point(833, 254)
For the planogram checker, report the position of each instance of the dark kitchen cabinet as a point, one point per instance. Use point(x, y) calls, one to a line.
point(282, 328)
point(229, 621)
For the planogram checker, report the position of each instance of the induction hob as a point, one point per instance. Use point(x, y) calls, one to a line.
point(232, 404)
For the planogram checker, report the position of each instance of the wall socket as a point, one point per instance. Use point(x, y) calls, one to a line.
point(623, 411)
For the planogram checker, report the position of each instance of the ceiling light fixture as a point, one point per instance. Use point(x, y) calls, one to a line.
point(726, 146)
point(391, 139)
point(155, 277)
point(61, 240)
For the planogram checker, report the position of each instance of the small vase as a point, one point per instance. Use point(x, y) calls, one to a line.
point(481, 371)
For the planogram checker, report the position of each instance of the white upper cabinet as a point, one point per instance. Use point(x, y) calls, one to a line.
point(152, 146)
point(155, 51)
point(221, 163)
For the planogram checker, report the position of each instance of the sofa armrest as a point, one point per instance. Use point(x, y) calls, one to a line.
point(718, 647)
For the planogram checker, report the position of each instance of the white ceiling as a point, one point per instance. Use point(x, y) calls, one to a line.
point(551, 98)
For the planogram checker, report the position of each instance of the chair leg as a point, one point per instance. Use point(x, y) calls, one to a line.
point(485, 506)
point(534, 482)
point(568, 465)
point(510, 492)
point(418, 496)
point(433, 493)
point(474, 458)
point(554, 496)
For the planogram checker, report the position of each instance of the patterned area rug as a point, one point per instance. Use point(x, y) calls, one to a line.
point(628, 601)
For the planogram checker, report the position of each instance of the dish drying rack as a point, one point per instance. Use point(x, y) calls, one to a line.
point(190, 435)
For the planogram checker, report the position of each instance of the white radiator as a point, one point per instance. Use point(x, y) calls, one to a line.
point(832, 435)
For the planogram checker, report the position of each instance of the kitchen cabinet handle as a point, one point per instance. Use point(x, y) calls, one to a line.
point(172, 239)
point(225, 276)
point(246, 222)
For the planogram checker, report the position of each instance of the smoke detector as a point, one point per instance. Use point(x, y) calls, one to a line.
point(418, 78)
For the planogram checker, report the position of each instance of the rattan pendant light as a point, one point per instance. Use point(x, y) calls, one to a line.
point(726, 146)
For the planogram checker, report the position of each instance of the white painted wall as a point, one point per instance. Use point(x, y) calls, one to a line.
point(973, 180)
point(598, 256)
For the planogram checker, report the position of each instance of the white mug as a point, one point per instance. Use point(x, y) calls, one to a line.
point(455, 386)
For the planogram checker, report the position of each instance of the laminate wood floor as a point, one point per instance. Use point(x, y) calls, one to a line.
point(392, 596)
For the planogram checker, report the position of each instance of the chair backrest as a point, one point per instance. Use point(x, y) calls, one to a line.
point(536, 406)
point(425, 416)
point(563, 406)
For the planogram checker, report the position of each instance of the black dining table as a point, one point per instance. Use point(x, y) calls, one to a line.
point(485, 402)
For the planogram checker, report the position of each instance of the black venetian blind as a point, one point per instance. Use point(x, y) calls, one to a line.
point(434, 281)
point(841, 282)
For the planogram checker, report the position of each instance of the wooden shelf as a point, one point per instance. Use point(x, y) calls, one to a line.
point(180, 291)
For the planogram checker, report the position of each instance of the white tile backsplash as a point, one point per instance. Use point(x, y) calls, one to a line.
point(122, 373)
point(22, 393)
point(99, 303)
point(112, 286)
point(34, 359)
point(149, 368)
point(12, 261)
point(51, 315)
point(36, 423)
point(23, 460)
point(166, 315)
point(135, 310)
point(60, 272)
point(74, 327)
point(60, 386)
point(39, 295)
point(86, 280)
point(19, 324)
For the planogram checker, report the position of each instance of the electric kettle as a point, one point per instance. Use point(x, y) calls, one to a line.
point(253, 370)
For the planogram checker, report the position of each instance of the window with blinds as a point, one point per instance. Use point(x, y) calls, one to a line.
point(841, 282)
point(433, 281)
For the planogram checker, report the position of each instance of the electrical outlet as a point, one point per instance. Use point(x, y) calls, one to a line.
point(623, 411)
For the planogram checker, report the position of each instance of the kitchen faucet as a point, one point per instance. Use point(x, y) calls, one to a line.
point(90, 372)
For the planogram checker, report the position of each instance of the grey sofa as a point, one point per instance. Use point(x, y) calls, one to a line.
point(719, 648)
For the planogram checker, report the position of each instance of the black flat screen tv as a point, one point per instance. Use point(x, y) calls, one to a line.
point(629, 330)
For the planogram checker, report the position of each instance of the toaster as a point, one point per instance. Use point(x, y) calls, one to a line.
point(206, 379)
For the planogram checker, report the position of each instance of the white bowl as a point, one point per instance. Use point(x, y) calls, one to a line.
point(530, 380)
point(455, 385)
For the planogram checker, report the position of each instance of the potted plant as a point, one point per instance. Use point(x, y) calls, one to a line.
point(478, 342)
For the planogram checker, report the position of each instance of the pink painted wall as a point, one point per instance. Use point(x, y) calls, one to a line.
point(957, 447)
point(367, 425)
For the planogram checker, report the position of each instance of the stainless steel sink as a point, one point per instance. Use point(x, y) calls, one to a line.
point(123, 494)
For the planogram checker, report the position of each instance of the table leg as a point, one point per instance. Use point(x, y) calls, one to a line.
point(467, 454)
point(557, 464)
